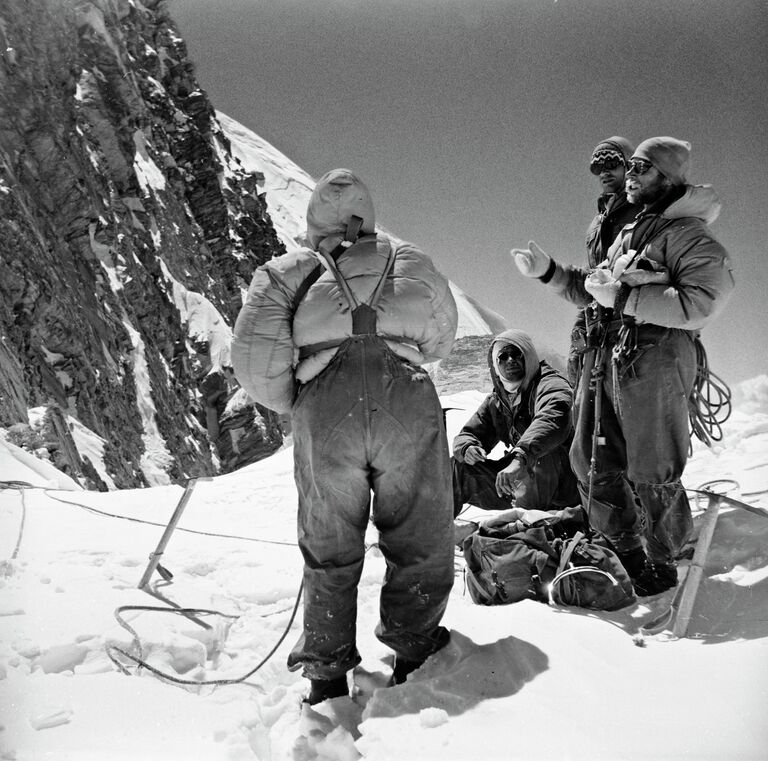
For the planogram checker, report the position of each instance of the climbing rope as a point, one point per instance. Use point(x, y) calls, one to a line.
point(141, 663)
point(709, 404)
point(20, 486)
point(113, 651)
point(162, 525)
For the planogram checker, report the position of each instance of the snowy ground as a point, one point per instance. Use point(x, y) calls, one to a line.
point(526, 681)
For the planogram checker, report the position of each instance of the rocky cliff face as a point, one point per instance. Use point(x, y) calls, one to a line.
point(127, 231)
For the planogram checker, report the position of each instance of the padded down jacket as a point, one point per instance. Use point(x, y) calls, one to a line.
point(416, 314)
point(698, 266)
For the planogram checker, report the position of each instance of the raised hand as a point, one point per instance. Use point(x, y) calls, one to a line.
point(531, 261)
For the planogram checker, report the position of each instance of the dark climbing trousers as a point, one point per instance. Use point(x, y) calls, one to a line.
point(549, 484)
point(643, 444)
point(371, 424)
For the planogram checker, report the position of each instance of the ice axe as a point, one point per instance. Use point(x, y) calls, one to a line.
point(154, 557)
point(678, 615)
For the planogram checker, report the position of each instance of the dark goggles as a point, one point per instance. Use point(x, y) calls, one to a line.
point(598, 167)
point(639, 166)
point(510, 352)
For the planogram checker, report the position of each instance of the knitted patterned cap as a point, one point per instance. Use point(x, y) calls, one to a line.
point(615, 147)
point(668, 154)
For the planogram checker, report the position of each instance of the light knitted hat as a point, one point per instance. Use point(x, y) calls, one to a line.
point(668, 154)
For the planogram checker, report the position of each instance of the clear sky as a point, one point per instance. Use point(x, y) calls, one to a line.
point(472, 122)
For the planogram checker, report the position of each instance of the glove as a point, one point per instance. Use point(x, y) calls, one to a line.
point(603, 287)
point(504, 517)
point(508, 479)
point(531, 261)
point(474, 454)
point(622, 262)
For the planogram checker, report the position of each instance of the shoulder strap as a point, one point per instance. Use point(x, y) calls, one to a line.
point(384, 275)
point(353, 232)
point(343, 284)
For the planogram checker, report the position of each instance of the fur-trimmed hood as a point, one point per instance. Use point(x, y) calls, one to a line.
point(700, 201)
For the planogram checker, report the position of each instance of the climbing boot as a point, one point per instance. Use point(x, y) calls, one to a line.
point(325, 689)
point(402, 668)
point(634, 561)
point(655, 578)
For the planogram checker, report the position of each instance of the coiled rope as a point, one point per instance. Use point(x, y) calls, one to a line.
point(709, 404)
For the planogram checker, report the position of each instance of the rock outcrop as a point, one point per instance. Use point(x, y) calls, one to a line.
point(127, 234)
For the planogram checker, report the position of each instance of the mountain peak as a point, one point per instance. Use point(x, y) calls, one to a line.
point(287, 190)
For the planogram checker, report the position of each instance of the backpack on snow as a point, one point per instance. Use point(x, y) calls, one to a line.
point(516, 563)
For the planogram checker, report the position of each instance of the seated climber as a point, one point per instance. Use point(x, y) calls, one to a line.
point(529, 410)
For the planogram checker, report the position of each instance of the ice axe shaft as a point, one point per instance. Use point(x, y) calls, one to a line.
point(696, 567)
point(154, 558)
point(596, 384)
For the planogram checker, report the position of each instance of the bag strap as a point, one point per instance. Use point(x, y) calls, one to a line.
point(570, 546)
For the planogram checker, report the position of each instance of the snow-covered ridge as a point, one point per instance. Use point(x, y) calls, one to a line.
point(288, 188)
point(69, 559)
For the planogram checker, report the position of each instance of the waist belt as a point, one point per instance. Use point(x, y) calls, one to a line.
point(310, 349)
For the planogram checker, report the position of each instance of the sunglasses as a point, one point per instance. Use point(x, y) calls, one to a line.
point(511, 353)
point(639, 166)
point(609, 164)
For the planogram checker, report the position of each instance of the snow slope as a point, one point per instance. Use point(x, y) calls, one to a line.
point(526, 681)
point(288, 188)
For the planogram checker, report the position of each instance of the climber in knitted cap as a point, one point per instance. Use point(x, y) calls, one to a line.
point(668, 154)
point(608, 155)
point(663, 279)
point(529, 411)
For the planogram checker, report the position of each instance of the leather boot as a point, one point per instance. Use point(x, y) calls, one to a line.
point(634, 561)
point(402, 668)
point(655, 578)
point(325, 689)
